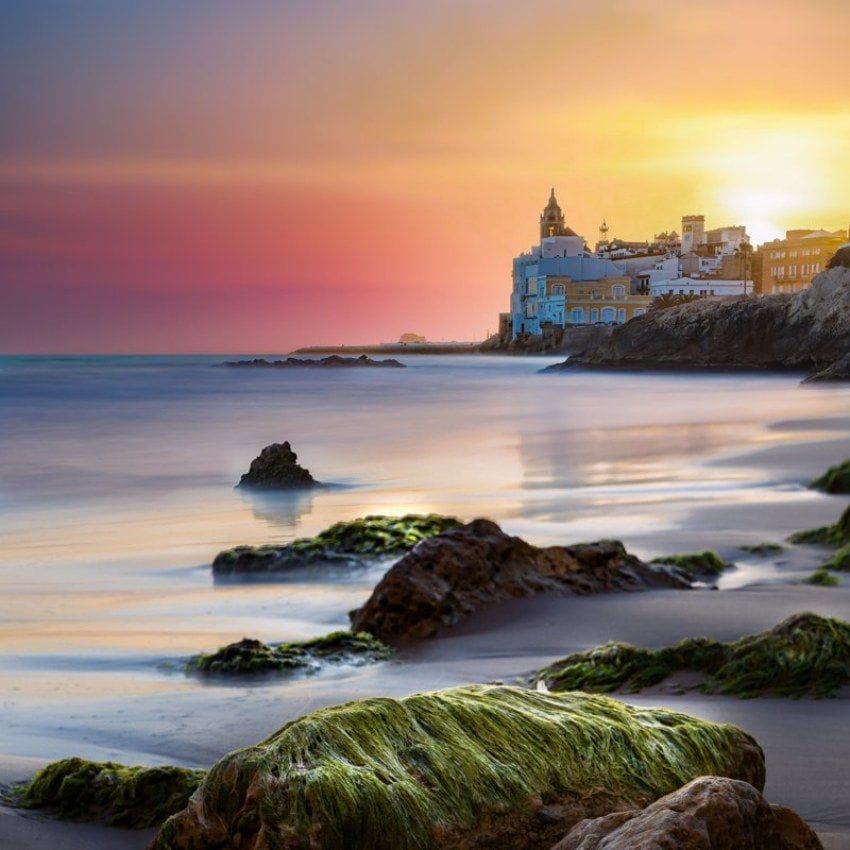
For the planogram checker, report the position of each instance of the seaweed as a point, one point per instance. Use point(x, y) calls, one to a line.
point(387, 774)
point(344, 542)
point(835, 480)
point(805, 655)
point(823, 578)
point(696, 564)
point(840, 560)
point(114, 794)
point(251, 656)
point(827, 535)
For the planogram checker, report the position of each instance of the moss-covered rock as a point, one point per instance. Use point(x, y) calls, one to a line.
point(696, 566)
point(348, 542)
point(249, 655)
point(823, 577)
point(439, 770)
point(763, 548)
point(835, 480)
point(840, 560)
point(827, 535)
point(133, 797)
point(805, 655)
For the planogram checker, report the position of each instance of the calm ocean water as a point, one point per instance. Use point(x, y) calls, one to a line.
point(117, 474)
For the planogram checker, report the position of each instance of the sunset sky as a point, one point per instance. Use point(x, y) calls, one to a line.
point(254, 176)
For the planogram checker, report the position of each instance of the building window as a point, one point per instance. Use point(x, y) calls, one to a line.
point(815, 268)
point(594, 315)
point(608, 315)
point(711, 292)
point(621, 315)
point(558, 289)
point(639, 311)
point(577, 316)
point(792, 271)
point(618, 291)
point(804, 269)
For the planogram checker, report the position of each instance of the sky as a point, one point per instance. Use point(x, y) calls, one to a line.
point(212, 176)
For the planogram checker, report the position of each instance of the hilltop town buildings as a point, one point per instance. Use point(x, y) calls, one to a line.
point(560, 282)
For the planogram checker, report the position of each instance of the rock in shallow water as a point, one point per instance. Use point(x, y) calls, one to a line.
point(448, 577)
point(349, 542)
point(251, 656)
point(277, 468)
point(805, 655)
point(471, 767)
point(710, 813)
point(114, 794)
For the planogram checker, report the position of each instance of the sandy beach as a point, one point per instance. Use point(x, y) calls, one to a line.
point(102, 601)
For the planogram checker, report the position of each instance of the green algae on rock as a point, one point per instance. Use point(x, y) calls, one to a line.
point(805, 655)
point(826, 535)
point(435, 770)
point(840, 560)
point(762, 548)
point(249, 655)
point(696, 565)
point(347, 542)
point(835, 480)
point(823, 578)
point(114, 794)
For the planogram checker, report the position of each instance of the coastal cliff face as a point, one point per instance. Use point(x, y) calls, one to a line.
point(807, 331)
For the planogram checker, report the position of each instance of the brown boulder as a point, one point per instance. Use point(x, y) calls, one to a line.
point(448, 577)
point(709, 813)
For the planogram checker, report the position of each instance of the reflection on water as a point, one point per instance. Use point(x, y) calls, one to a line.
point(117, 474)
point(284, 510)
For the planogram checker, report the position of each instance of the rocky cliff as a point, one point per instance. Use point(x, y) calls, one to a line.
point(807, 331)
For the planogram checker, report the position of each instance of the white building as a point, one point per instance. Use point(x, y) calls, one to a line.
point(704, 287)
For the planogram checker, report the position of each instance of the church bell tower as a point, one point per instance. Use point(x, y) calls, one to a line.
point(552, 219)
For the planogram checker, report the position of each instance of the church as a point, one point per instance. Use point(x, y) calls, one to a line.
point(559, 282)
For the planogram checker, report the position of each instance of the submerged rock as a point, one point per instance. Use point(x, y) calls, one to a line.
point(827, 535)
point(709, 813)
point(450, 576)
point(332, 362)
point(114, 794)
point(476, 766)
point(249, 655)
point(835, 480)
point(805, 655)
point(349, 542)
point(277, 468)
point(762, 548)
point(806, 331)
point(697, 566)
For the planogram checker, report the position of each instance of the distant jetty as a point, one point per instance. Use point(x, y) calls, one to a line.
point(394, 348)
point(332, 362)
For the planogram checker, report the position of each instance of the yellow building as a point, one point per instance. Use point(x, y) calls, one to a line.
point(608, 300)
point(789, 264)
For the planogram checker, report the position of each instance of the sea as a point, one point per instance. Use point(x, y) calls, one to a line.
point(117, 490)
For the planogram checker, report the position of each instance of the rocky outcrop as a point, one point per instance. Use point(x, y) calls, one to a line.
point(332, 362)
point(277, 468)
point(250, 656)
point(450, 576)
point(806, 331)
point(114, 794)
point(805, 655)
point(346, 543)
point(479, 767)
point(709, 813)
